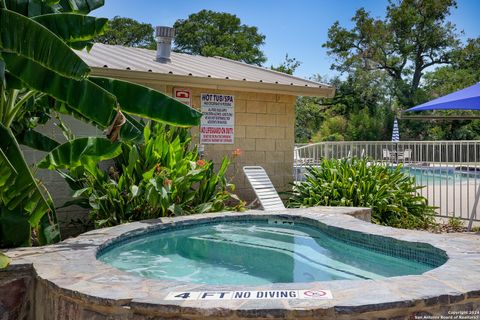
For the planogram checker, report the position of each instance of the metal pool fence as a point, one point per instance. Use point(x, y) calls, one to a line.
point(448, 170)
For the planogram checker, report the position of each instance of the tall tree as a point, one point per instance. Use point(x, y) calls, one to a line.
point(211, 33)
point(128, 32)
point(288, 66)
point(415, 35)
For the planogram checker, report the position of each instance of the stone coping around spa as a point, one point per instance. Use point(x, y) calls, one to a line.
point(71, 268)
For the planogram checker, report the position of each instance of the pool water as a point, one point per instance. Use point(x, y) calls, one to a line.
point(425, 176)
point(253, 253)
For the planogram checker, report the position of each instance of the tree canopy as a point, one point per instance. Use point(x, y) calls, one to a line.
point(414, 36)
point(210, 33)
point(288, 66)
point(128, 32)
point(411, 56)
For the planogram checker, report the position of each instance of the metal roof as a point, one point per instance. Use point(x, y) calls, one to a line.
point(143, 60)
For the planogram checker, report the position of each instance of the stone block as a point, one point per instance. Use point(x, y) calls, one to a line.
point(275, 133)
point(266, 97)
point(239, 132)
point(255, 157)
point(240, 106)
point(255, 132)
point(290, 132)
point(274, 157)
point(276, 108)
point(283, 169)
point(284, 145)
point(13, 298)
point(290, 109)
point(284, 120)
point(256, 107)
point(286, 98)
point(265, 145)
point(245, 145)
point(245, 119)
point(266, 120)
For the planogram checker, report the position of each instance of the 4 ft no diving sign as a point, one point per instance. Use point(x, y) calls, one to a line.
point(251, 295)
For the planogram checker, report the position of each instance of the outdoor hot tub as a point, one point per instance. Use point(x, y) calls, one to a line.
point(322, 263)
point(267, 250)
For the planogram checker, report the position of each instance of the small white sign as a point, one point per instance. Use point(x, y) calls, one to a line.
point(218, 120)
point(183, 95)
point(251, 295)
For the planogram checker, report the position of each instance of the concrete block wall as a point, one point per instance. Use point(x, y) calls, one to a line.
point(264, 133)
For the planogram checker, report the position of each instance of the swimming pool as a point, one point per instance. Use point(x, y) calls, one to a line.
point(445, 175)
point(259, 253)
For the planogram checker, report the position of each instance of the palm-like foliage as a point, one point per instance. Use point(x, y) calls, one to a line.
point(39, 71)
point(390, 192)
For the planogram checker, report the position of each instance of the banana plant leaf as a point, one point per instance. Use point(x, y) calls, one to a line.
point(26, 38)
point(148, 103)
point(19, 189)
point(31, 8)
point(132, 130)
point(37, 141)
point(80, 151)
point(77, 30)
point(13, 82)
point(84, 96)
point(2, 72)
point(80, 6)
point(15, 230)
point(4, 261)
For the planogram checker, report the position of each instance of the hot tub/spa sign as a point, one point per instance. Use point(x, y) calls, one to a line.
point(251, 295)
point(218, 120)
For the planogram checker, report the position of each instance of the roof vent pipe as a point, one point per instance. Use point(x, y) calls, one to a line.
point(164, 37)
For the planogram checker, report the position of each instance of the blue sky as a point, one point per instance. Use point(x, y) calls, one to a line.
point(298, 28)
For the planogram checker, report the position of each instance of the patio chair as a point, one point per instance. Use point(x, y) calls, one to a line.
point(263, 188)
point(406, 155)
point(387, 155)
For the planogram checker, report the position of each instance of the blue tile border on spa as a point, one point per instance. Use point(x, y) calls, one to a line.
point(70, 271)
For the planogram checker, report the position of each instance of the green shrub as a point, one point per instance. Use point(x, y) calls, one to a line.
point(390, 193)
point(161, 177)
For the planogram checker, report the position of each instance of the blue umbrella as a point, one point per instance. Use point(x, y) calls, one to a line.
point(395, 132)
point(465, 99)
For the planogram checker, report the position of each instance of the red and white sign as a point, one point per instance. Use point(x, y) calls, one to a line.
point(183, 95)
point(218, 120)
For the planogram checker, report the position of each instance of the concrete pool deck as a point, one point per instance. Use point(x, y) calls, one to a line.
point(66, 281)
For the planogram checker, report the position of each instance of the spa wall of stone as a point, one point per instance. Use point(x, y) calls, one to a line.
point(25, 297)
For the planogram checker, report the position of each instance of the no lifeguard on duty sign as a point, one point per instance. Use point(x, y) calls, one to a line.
point(251, 295)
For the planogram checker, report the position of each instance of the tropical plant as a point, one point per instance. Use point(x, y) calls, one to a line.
point(39, 74)
point(391, 193)
point(161, 177)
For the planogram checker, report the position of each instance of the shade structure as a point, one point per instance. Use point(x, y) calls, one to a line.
point(465, 99)
point(395, 132)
